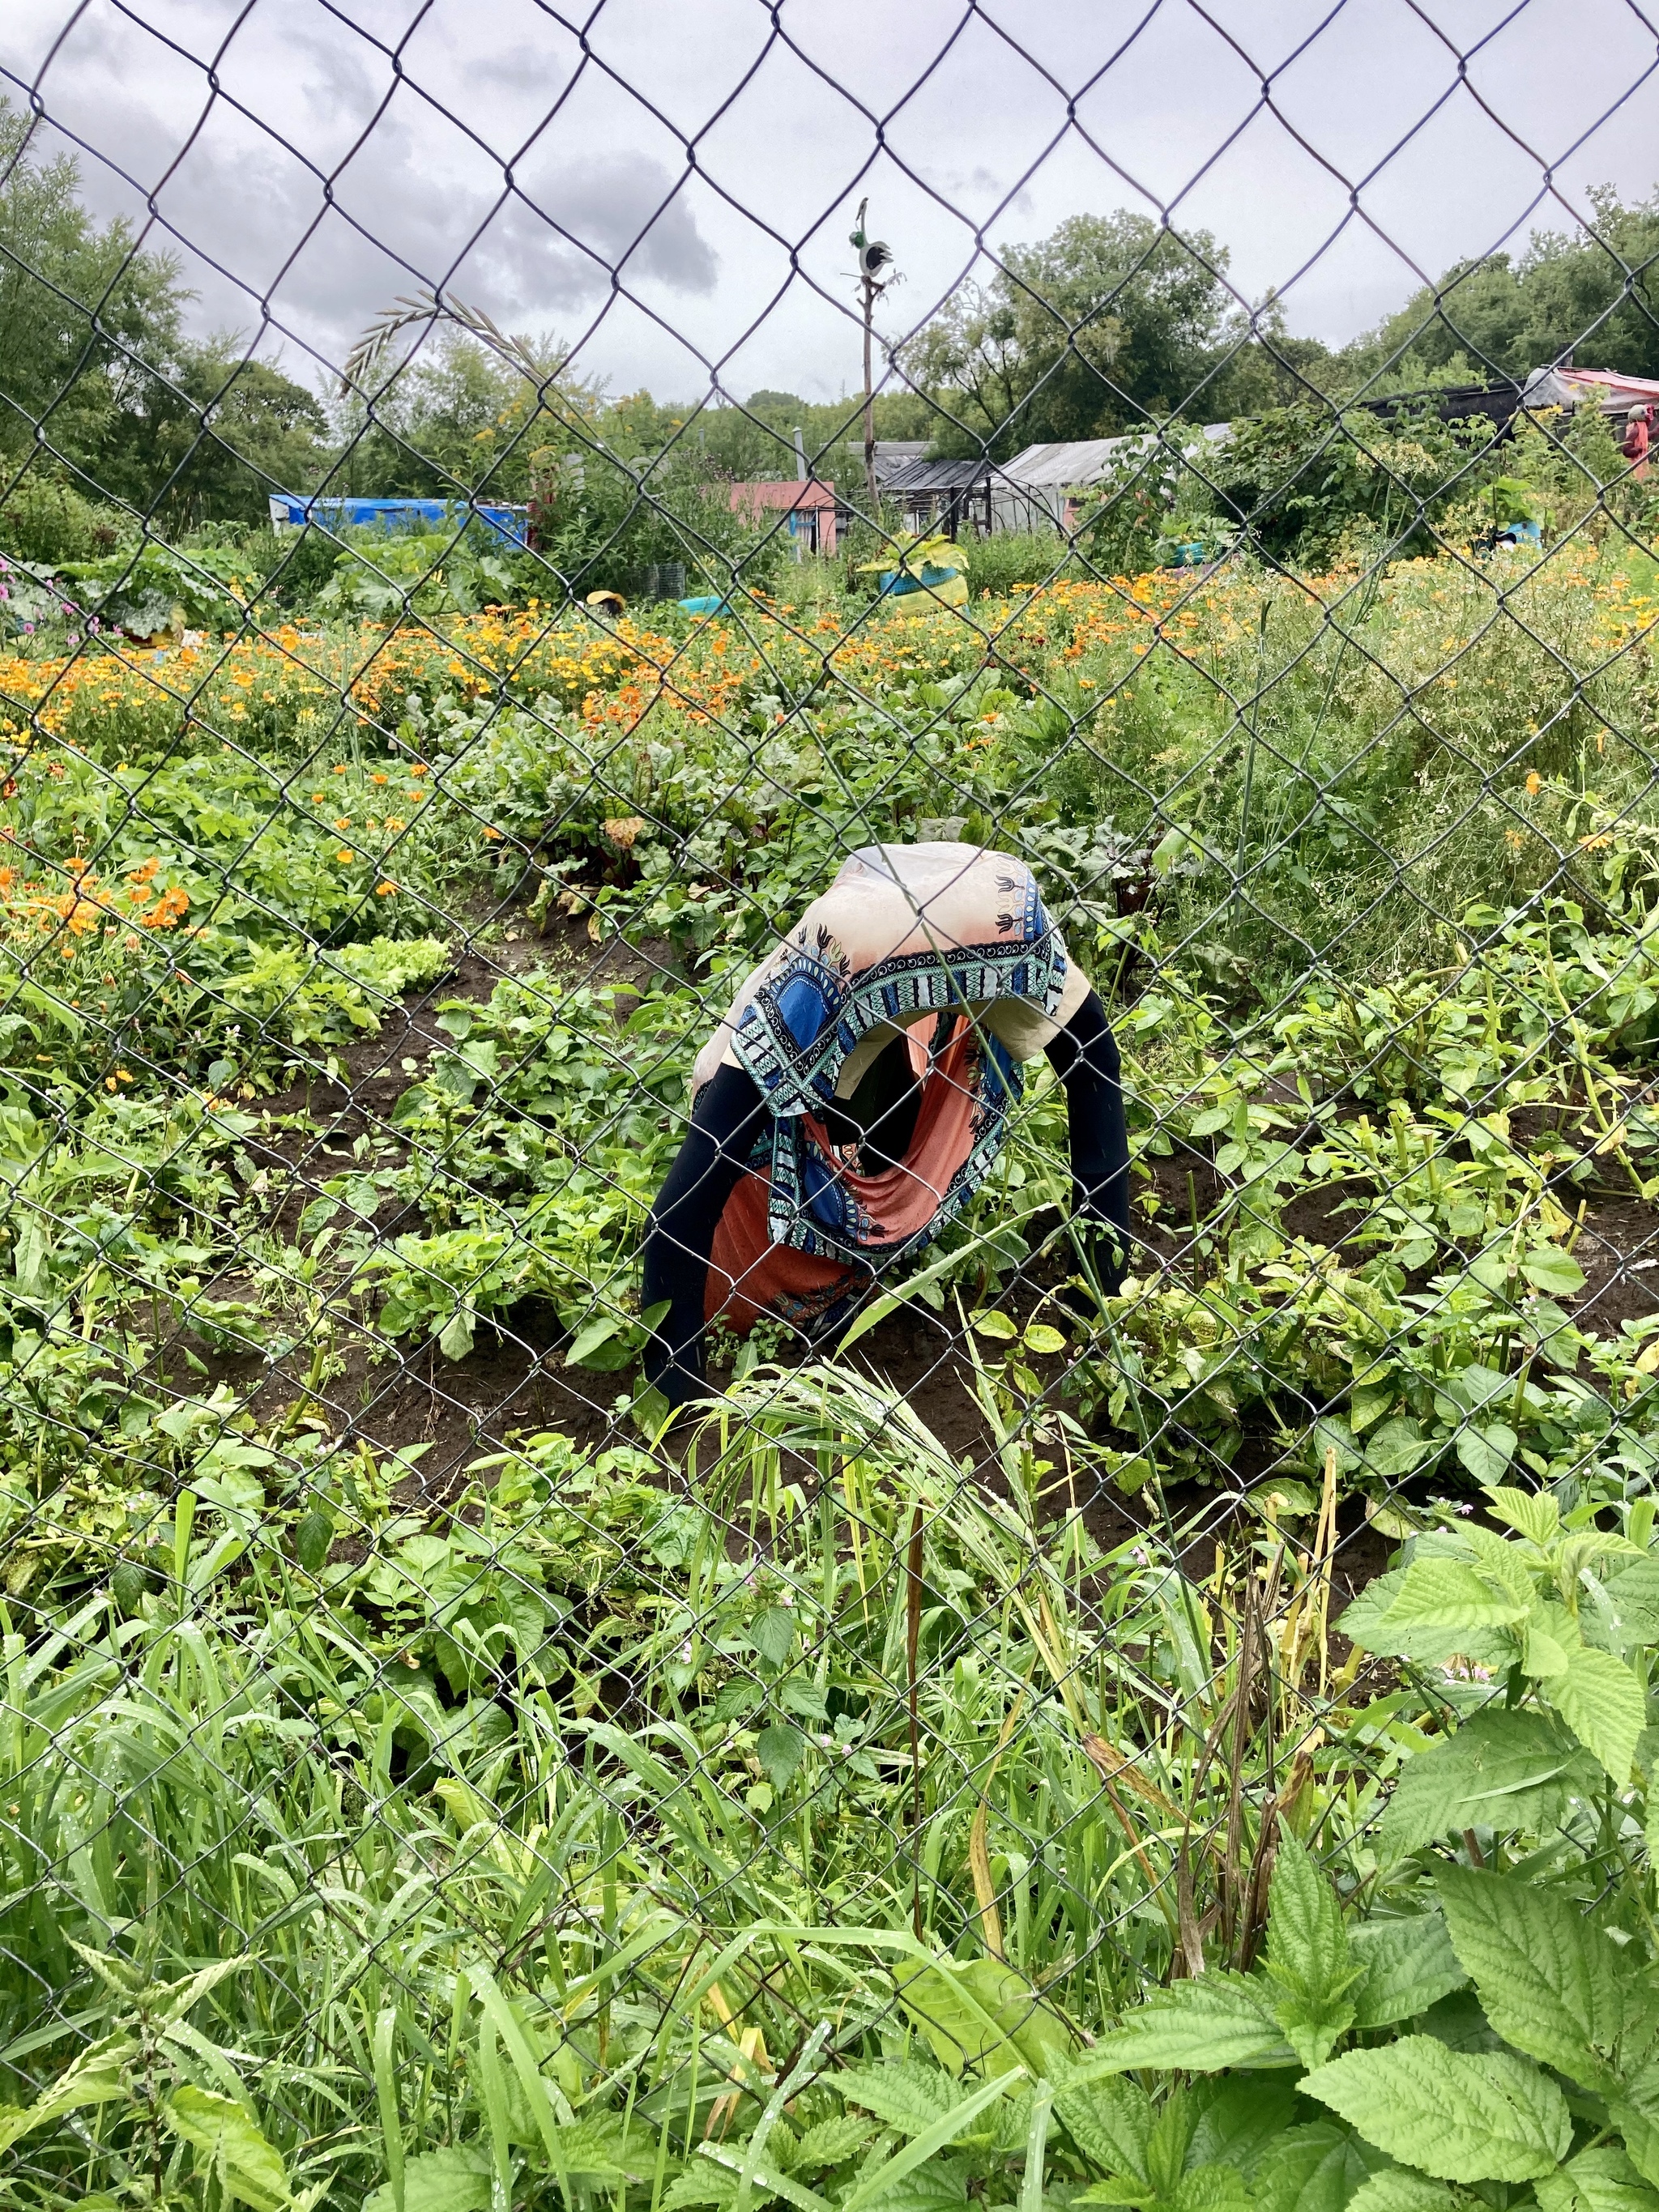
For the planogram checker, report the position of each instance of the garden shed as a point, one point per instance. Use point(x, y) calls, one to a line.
point(943, 495)
point(811, 507)
point(892, 454)
point(1036, 489)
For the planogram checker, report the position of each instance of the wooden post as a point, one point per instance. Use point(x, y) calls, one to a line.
point(870, 290)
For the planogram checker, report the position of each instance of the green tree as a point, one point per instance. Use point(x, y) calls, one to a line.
point(92, 354)
point(1260, 367)
point(211, 436)
point(1596, 290)
point(751, 442)
point(457, 419)
point(1108, 321)
point(86, 315)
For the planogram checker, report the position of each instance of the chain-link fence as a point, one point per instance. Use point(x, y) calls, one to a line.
point(755, 1151)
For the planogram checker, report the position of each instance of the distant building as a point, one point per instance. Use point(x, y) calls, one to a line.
point(892, 453)
point(1039, 489)
point(811, 507)
point(943, 497)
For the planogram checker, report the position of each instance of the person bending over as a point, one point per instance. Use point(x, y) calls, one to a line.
point(858, 1091)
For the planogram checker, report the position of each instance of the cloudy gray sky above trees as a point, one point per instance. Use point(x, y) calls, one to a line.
point(669, 187)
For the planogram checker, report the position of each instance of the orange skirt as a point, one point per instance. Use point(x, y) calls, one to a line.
point(749, 1275)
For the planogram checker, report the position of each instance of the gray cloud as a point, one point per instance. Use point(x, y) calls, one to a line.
point(324, 180)
point(559, 244)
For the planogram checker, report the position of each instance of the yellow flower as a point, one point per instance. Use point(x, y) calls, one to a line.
point(1535, 784)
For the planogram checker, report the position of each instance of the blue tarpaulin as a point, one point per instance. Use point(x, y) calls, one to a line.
point(290, 511)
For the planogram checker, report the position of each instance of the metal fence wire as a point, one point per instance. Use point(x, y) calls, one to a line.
point(440, 1770)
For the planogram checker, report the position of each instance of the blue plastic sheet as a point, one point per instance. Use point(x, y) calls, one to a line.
point(510, 524)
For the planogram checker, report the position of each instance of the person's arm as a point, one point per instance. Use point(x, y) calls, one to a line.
point(726, 1117)
point(1084, 1057)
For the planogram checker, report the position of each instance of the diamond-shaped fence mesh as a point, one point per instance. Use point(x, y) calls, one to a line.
point(827, 1325)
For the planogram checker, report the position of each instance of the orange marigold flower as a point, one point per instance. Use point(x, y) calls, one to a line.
point(344, 854)
point(1535, 784)
point(385, 890)
point(168, 909)
point(492, 832)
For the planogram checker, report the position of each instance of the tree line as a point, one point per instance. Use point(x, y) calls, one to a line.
point(1108, 323)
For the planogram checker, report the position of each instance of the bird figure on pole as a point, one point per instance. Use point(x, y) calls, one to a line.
point(874, 255)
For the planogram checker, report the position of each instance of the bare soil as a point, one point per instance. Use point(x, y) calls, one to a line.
point(1618, 1248)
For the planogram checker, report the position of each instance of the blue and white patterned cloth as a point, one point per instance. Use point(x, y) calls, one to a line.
point(904, 932)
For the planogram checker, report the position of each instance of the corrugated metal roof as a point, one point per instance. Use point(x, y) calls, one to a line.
point(782, 492)
point(1085, 460)
point(890, 453)
point(938, 476)
point(1611, 391)
point(1079, 460)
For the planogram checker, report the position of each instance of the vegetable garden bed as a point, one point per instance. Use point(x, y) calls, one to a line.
point(426, 1776)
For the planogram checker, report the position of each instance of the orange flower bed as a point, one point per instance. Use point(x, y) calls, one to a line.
point(88, 903)
point(289, 687)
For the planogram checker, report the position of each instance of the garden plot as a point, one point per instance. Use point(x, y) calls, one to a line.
point(343, 997)
point(957, 1689)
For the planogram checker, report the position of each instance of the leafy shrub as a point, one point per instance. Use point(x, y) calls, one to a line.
point(1011, 559)
point(46, 521)
point(387, 575)
point(1303, 480)
point(148, 589)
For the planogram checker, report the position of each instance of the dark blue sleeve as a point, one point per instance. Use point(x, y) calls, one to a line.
point(727, 1117)
point(1084, 1057)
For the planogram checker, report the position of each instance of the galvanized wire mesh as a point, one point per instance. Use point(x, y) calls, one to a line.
point(561, 1796)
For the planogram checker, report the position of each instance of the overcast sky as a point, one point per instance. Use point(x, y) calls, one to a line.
point(668, 184)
